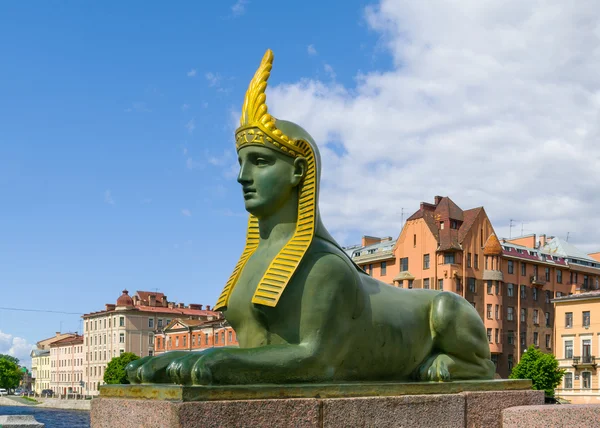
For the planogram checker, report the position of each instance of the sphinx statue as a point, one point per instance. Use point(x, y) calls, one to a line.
point(301, 309)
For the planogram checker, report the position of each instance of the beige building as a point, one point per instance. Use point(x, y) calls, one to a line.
point(129, 326)
point(66, 366)
point(40, 362)
point(577, 331)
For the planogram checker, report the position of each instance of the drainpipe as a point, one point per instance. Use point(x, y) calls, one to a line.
point(464, 275)
point(519, 313)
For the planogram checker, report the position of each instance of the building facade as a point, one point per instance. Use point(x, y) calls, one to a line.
point(577, 331)
point(66, 366)
point(40, 362)
point(192, 335)
point(509, 282)
point(129, 326)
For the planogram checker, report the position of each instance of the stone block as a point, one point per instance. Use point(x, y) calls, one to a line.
point(484, 409)
point(110, 413)
point(20, 421)
point(422, 411)
point(549, 416)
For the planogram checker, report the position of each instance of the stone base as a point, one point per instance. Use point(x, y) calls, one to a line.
point(19, 421)
point(464, 405)
point(568, 415)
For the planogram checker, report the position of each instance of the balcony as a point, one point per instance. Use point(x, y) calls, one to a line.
point(536, 280)
point(585, 361)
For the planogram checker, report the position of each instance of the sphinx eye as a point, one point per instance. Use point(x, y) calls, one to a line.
point(261, 161)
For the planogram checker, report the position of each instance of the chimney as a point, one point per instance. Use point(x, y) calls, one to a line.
point(152, 300)
point(195, 306)
point(438, 199)
point(542, 240)
point(208, 307)
point(181, 306)
point(110, 307)
point(171, 305)
point(58, 333)
point(164, 301)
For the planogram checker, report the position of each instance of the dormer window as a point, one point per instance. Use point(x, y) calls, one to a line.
point(453, 224)
point(441, 225)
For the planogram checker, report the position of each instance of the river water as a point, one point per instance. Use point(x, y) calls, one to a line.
point(53, 418)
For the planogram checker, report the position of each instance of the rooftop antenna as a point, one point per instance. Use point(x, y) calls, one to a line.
point(522, 224)
point(401, 218)
point(568, 233)
point(510, 226)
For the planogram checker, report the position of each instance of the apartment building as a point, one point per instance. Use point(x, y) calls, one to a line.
point(577, 332)
point(509, 282)
point(193, 335)
point(129, 325)
point(66, 365)
point(40, 362)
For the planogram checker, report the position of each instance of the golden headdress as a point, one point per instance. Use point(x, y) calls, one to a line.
point(258, 127)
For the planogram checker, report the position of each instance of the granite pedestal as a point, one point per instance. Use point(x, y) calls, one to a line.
point(420, 404)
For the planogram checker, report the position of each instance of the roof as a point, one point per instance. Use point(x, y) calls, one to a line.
point(563, 248)
point(39, 352)
point(531, 254)
point(581, 296)
point(145, 296)
point(492, 246)
point(67, 341)
point(373, 248)
point(125, 299)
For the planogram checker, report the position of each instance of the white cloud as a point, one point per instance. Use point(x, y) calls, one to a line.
point(186, 212)
point(239, 8)
point(214, 79)
point(16, 347)
point(192, 73)
point(329, 70)
point(108, 197)
point(491, 103)
point(311, 50)
point(139, 107)
point(185, 107)
point(191, 125)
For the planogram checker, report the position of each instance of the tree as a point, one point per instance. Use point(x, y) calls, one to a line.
point(115, 371)
point(541, 368)
point(10, 375)
point(10, 358)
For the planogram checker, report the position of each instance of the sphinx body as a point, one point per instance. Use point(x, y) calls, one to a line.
point(301, 309)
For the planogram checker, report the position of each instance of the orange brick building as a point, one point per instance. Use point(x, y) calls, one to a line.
point(191, 335)
point(510, 282)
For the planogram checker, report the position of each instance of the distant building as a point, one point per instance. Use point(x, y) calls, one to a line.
point(577, 331)
point(129, 326)
point(509, 282)
point(190, 335)
point(66, 362)
point(40, 362)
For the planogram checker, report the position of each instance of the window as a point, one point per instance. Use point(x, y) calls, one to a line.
point(489, 287)
point(150, 353)
point(586, 380)
point(536, 320)
point(489, 311)
point(547, 272)
point(453, 224)
point(585, 281)
point(410, 283)
point(498, 288)
point(121, 337)
point(426, 283)
point(193, 340)
point(222, 337)
point(510, 290)
point(497, 335)
point(569, 320)
point(158, 342)
point(121, 321)
point(510, 314)
point(150, 322)
point(206, 339)
point(497, 312)
point(494, 358)
point(547, 315)
point(523, 292)
point(568, 380)
point(370, 269)
point(489, 335)
point(559, 279)
point(401, 283)
point(586, 349)
point(536, 338)
point(151, 339)
point(176, 341)
point(468, 259)
point(471, 282)
point(523, 269)
point(449, 258)
point(523, 340)
point(510, 337)
point(523, 314)
point(441, 225)
point(441, 285)
point(425, 261)
point(548, 296)
point(568, 349)
point(548, 341)
point(160, 323)
point(586, 318)
point(510, 363)
point(229, 336)
point(534, 293)
point(383, 268)
point(403, 264)
point(476, 261)
point(511, 266)
point(184, 341)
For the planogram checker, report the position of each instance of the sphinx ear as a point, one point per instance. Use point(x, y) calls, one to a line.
point(300, 168)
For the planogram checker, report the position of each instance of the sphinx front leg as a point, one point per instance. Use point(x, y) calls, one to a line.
point(152, 369)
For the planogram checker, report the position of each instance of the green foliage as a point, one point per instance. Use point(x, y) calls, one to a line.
point(541, 368)
point(10, 375)
point(115, 371)
point(31, 400)
point(10, 358)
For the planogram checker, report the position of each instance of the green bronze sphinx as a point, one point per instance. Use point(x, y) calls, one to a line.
point(301, 309)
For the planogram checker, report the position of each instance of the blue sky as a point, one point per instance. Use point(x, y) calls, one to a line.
point(117, 162)
point(117, 167)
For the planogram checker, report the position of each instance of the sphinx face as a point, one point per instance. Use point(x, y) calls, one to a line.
point(267, 178)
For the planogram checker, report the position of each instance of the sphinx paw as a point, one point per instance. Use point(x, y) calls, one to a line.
point(435, 368)
point(201, 373)
point(180, 369)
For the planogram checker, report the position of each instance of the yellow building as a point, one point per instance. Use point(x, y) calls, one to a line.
point(41, 367)
point(577, 336)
